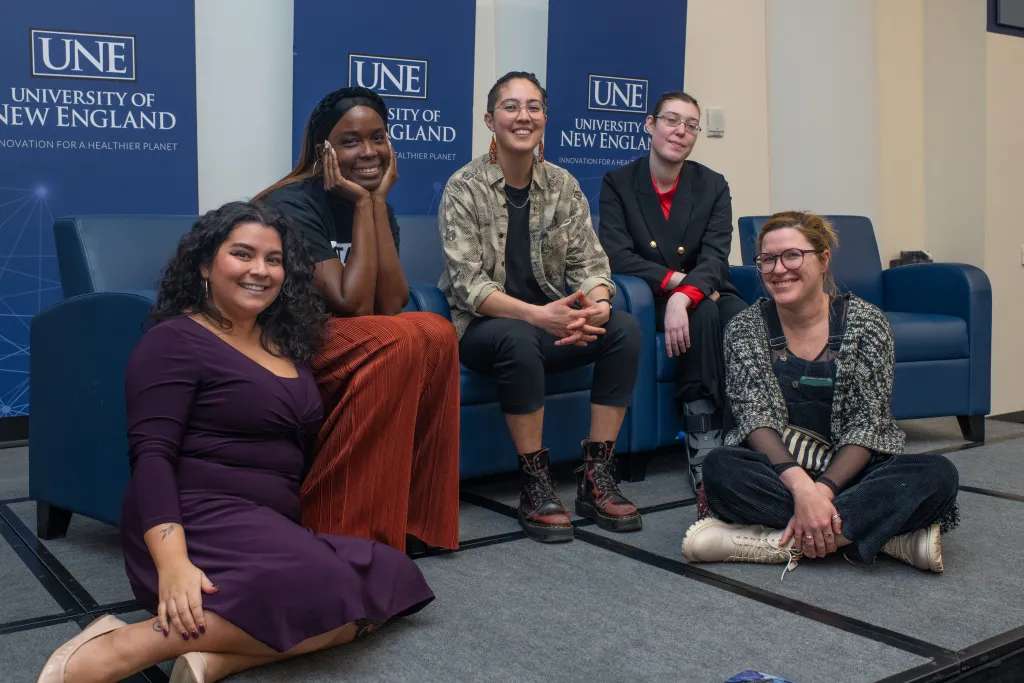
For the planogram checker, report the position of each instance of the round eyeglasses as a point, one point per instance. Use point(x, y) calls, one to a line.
point(536, 110)
point(791, 259)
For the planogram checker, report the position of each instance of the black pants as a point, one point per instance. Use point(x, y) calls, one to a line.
point(700, 372)
point(517, 355)
point(888, 498)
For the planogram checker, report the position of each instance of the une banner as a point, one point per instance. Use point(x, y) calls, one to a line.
point(603, 78)
point(97, 115)
point(422, 65)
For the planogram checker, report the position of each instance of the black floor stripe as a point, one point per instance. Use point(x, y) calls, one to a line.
point(939, 669)
point(26, 552)
point(117, 608)
point(994, 494)
point(12, 501)
point(85, 601)
point(821, 615)
point(844, 623)
point(34, 623)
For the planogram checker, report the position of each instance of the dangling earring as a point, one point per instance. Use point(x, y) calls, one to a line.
point(207, 281)
point(540, 152)
point(493, 156)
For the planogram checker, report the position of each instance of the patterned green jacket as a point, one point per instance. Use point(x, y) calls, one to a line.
point(861, 412)
point(473, 220)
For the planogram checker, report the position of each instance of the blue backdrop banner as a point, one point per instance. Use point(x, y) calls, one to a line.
point(97, 115)
point(419, 57)
point(605, 72)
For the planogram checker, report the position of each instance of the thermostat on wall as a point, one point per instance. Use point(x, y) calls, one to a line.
point(716, 123)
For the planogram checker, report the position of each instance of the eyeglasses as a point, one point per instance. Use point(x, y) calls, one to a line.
point(536, 110)
point(673, 121)
point(791, 259)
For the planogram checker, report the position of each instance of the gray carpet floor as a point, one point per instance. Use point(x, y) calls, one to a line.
point(999, 466)
point(514, 610)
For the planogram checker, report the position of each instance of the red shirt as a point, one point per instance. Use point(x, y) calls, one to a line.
point(665, 198)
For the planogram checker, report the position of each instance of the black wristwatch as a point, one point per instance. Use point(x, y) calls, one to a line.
point(608, 301)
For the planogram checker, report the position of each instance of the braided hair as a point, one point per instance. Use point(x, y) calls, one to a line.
point(322, 120)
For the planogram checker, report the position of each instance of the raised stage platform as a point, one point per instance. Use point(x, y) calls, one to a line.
point(611, 607)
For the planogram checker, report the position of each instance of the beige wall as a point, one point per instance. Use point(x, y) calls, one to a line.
point(900, 97)
point(725, 67)
point(1004, 215)
point(954, 131)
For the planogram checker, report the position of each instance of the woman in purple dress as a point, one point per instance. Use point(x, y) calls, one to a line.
point(222, 411)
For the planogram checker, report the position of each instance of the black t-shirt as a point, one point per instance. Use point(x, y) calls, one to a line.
point(325, 220)
point(520, 281)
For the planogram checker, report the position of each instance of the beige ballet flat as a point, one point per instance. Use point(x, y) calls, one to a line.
point(189, 668)
point(53, 671)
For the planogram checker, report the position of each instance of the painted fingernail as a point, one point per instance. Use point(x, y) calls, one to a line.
point(184, 636)
point(195, 635)
point(202, 629)
point(166, 633)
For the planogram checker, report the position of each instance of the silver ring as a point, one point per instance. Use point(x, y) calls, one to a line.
point(810, 537)
point(835, 516)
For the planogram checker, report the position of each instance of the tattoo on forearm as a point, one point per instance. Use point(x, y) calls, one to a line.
point(167, 530)
point(156, 626)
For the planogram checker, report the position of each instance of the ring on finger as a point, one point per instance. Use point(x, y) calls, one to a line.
point(835, 516)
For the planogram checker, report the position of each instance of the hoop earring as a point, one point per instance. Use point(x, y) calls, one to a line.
point(540, 152)
point(493, 154)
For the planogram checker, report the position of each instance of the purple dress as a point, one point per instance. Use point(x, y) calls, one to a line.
point(217, 444)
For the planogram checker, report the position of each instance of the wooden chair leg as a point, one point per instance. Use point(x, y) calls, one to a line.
point(633, 466)
point(51, 521)
point(972, 427)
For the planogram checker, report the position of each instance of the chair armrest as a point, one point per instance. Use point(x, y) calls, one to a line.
point(80, 348)
point(746, 280)
point(634, 295)
point(954, 289)
point(426, 297)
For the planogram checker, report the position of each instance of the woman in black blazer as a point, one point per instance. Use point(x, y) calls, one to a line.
point(669, 221)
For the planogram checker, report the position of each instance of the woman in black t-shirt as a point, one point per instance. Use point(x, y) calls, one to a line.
point(388, 459)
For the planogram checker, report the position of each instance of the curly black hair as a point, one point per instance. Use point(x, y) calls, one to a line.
point(292, 326)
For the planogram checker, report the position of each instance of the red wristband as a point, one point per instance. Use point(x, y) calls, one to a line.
point(668, 276)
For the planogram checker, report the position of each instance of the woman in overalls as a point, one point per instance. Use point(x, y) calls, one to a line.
point(815, 462)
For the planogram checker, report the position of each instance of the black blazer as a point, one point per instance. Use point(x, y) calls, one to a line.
point(695, 239)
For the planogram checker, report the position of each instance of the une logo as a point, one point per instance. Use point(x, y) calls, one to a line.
point(616, 93)
point(60, 54)
point(389, 76)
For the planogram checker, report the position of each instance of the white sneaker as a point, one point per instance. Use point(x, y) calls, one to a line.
point(712, 540)
point(921, 549)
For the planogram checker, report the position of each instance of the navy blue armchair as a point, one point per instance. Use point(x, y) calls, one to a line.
point(109, 269)
point(941, 318)
point(485, 446)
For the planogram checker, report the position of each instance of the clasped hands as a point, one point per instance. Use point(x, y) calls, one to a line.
point(572, 326)
point(816, 525)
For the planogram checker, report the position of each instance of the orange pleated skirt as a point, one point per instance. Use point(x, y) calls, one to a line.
point(386, 459)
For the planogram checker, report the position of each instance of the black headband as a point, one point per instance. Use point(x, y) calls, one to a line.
point(330, 110)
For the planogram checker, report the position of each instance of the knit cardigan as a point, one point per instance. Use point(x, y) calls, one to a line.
point(861, 413)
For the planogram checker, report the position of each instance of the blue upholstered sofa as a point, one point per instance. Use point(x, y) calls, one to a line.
point(941, 319)
point(110, 266)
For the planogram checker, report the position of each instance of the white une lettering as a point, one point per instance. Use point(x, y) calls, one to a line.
point(16, 116)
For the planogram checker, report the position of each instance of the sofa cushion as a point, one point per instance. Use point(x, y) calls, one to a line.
point(928, 336)
point(477, 389)
point(918, 337)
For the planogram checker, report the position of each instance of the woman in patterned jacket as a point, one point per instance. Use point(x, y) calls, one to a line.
point(517, 235)
point(815, 462)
